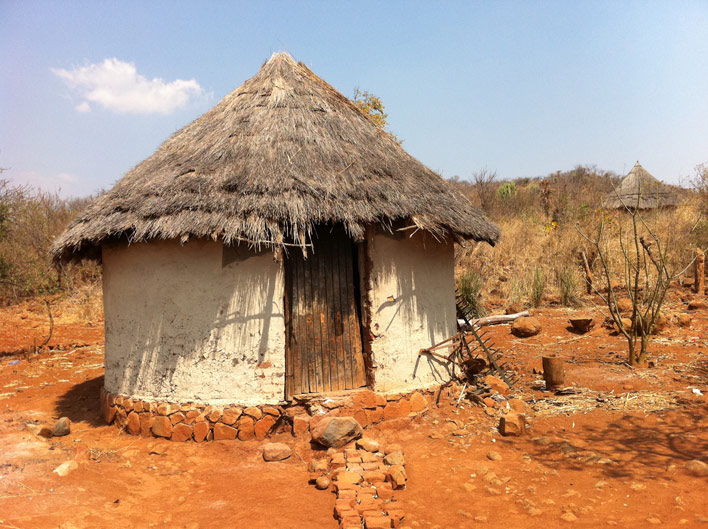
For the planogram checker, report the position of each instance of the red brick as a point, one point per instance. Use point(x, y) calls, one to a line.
point(341, 506)
point(396, 515)
point(373, 476)
point(377, 522)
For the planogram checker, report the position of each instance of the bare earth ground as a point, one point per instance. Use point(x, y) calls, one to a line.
point(613, 454)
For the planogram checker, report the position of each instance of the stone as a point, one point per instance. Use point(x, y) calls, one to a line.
point(62, 427)
point(364, 399)
point(245, 429)
point(418, 402)
point(276, 451)
point(493, 455)
point(263, 427)
point(653, 520)
point(496, 384)
point(322, 483)
point(271, 410)
point(348, 477)
point(371, 476)
point(683, 320)
point(525, 327)
point(163, 408)
point(393, 447)
point(230, 416)
point(696, 468)
point(301, 425)
point(181, 432)
point(519, 406)
point(336, 431)
point(177, 417)
point(161, 426)
point(319, 466)
point(375, 415)
point(624, 305)
point(212, 415)
point(568, 517)
point(394, 458)
point(133, 426)
point(146, 424)
point(66, 468)
point(396, 475)
point(201, 429)
point(368, 444)
point(224, 432)
point(697, 305)
point(512, 424)
point(253, 412)
point(377, 522)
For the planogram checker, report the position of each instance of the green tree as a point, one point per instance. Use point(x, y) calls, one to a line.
point(374, 109)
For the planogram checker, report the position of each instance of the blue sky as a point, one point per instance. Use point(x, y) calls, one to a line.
point(89, 89)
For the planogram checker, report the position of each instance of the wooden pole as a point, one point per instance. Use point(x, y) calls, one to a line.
point(553, 372)
point(699, 281)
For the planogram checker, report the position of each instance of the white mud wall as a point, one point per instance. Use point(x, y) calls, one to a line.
point(196, 322)
point(412, 300)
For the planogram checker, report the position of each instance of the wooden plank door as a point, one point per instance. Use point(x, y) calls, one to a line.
point(324, 349)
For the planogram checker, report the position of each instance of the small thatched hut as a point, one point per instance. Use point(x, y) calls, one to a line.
point(640, 190)
point(281, 244)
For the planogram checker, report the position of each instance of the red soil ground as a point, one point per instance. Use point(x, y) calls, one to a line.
point(613, 454)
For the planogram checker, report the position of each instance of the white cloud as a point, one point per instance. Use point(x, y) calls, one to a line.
point(67, 177)
point(117, 86)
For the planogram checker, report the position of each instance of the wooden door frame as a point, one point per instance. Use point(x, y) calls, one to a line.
point(360, 258)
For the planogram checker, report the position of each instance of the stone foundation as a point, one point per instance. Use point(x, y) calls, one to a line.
point(200, 422)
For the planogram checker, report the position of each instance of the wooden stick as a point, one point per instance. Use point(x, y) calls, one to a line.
point(500, 318)
point(699, 281)
point(588, 274)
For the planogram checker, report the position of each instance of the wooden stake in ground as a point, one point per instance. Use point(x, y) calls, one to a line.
point(553, 372)
point(699, 281)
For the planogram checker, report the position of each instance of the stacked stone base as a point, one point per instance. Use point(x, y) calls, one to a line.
point(199, 422)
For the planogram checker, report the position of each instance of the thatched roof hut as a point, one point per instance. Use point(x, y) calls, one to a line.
point(207, 295)
point(640, 190)
point(280, 154)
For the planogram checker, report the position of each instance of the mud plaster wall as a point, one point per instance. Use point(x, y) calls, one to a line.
point(194, 323)
point(412, 303)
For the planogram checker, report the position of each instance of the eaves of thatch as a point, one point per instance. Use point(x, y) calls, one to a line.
point(280, 154)
point(640, 190)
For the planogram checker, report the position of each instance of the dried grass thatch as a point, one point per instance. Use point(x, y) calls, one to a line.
point(640, 190)
point(280, 154)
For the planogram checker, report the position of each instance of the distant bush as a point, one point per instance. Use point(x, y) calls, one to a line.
point(469, 288)
point(30, 219)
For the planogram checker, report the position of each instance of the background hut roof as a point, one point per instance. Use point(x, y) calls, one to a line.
point(640, 185)
point(280, 154)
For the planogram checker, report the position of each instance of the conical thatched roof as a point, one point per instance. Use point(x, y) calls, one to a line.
point(280, 154)
point(640, 190)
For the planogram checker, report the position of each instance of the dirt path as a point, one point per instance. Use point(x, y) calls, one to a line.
point(612, 455)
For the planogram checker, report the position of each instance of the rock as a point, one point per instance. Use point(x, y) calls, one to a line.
point(696, 468)
point(396, 475)
point(493, 455)
point(568, 517)
point(418, 402)
point(514, 308)
point(368, 444)
point(496, 384)
point(624, 305)
point(336, 431)
point(393, 447)
point(245, 428)
point(45, 431)
point(253, 412)
point(696, 305)
point(161, 426)
point(525, 326)
point(62, 427)
point(230, 416)
point(201, 429)
point(395, 458)
point(263, 427)
point(222, 432)
point(519, 406)
point(181, 432)
point(683, 320)
point(277, 452)
point(661, 323)
point(301, 424)
point(653, 520)
point(133, 425)
point(322, 483)
point(65, 468)
point(512, 424)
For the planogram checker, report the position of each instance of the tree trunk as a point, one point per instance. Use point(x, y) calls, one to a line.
point(699, 281)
